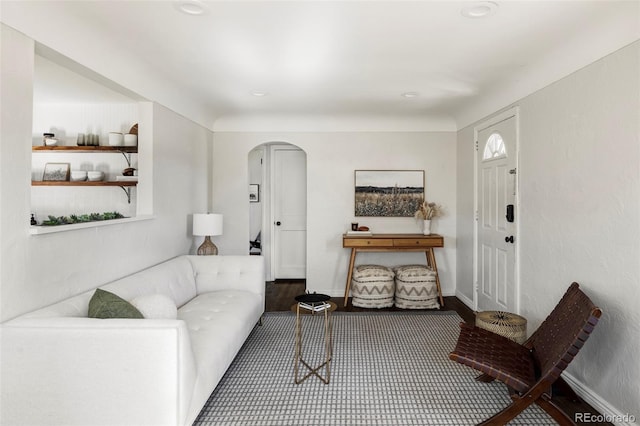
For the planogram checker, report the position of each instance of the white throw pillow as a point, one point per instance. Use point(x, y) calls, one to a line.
point(156, 306)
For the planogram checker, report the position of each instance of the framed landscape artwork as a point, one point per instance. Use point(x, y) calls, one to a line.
point(388, 193)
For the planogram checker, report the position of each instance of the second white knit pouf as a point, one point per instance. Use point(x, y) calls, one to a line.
point(416, 287)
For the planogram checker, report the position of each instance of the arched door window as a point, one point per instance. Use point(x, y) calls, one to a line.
point(494, 148)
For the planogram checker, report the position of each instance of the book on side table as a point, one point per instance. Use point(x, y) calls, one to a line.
point(315, 307)
point(363, 233)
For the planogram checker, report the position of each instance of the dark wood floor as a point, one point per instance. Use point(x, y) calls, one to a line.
point(280, 295)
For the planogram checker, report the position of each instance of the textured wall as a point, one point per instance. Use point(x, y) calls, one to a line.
point(580, 213)
point(579, 216)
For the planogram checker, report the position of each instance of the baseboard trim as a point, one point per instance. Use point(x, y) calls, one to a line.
point(329, 291)
point(464, 299)
point(610, 413)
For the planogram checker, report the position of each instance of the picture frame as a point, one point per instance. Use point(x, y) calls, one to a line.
point(56, 172)
point(388, 193)
point(254, 193)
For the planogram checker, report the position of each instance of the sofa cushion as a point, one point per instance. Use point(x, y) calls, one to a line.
point(173, 278)
point(105, 304)
point(156, 306)
point(214, 273)
point(219, 323)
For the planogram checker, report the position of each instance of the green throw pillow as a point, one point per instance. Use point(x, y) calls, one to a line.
point(104, 304)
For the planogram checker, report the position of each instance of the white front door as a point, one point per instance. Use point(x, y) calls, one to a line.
point(290, 212)
point(496, 240)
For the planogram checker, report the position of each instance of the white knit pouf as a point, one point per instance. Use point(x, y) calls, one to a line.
point(416, 287)
point(372, 286)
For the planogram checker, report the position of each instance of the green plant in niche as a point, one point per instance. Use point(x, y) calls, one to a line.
point(93, 217)
point(112, 215)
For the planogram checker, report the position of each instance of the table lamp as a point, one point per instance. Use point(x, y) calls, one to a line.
point(207, 225)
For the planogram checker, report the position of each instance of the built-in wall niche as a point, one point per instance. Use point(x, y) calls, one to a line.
point(69, 100)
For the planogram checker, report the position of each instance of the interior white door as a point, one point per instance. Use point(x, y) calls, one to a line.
point(496, 241)
point(290, 212)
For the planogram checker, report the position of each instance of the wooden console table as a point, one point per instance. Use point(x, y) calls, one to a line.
point(392, 242)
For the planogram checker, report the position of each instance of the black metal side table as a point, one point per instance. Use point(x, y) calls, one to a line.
point(313, 304)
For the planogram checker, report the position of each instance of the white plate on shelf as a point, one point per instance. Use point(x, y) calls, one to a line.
point(127, 178)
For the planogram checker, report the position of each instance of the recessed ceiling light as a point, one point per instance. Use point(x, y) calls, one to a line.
point(480, 9)
point(191, 7)
point(258, 93)
point(411, 94)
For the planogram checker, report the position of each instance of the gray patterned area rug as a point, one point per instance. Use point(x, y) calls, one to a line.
point(388, 368)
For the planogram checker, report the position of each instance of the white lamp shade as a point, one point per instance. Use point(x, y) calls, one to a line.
point(207, 224)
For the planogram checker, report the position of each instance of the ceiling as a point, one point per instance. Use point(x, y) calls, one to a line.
point(329, 58)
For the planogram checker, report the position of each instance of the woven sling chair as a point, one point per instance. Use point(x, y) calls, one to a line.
point(529, 370)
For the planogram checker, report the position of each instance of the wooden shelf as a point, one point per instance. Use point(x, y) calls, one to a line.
point(126, 151)
point(122, 183)
point(94, 149)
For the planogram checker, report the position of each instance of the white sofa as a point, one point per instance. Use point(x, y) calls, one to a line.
point(59, 367)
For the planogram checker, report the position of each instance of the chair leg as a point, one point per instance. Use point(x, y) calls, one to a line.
point(485, 378)
point(508, 413)
point(519, 404)
point(565, 389)
point(554, 411)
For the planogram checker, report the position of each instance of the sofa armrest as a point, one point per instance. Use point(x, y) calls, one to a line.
point(214, 273)
point(83, 371)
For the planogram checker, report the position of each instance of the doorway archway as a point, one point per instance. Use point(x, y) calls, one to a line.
point(277, 208)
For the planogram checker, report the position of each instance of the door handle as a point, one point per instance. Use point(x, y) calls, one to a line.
point(508, 239)
point(278, 223)
point(510, 213)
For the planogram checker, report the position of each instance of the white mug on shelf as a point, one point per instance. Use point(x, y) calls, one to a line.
point(116, 139)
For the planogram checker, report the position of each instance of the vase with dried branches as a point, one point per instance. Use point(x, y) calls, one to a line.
point(426, 212)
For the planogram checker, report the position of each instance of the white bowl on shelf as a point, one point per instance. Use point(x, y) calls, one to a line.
point(78, 175)
point(130, 139)
point(95, 175)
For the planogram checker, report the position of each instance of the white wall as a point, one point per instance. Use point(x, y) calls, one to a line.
point(37, 270)
point(579, 177)
point(466, 212)
point(331, 161)
point(16, 91)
